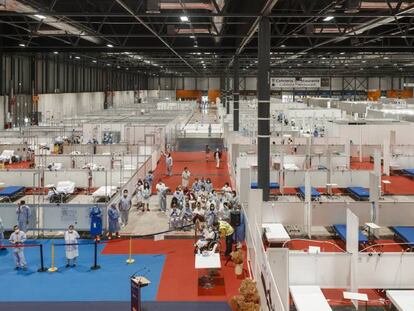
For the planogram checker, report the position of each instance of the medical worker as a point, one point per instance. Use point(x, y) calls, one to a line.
point(169, 164)
point(217, 157)
point(227, 231)
point(162, 191)
point(96, 222)
point(113, 216)
point(185, 178)
point(23, 215)
point(17, 238)
point(72, 249)
point(124, 207)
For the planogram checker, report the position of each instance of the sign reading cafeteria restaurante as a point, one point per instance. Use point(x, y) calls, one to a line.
point(292, 83)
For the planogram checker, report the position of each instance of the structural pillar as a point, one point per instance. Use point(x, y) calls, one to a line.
point(236, 94)
point(263, 94)
point(223, 90)
point(227, 93)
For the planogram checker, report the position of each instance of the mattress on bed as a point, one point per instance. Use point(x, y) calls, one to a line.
point(341, 230)
point(272, 185)
point(314, 193)
point(359, 191)
point(66, 187)
point(105, 191)
point(406, 233)
point(409, 171)
point(11, 191)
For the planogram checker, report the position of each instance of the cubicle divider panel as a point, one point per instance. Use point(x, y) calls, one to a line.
point(286, 213)
point(260, 268)
point(59, 217)
point(330, 213)
point(9, 216)
point(25, 178)
point(327, 270)
point(396, 214)
point(390, 270)
point(349, 178)
point(79, 177)
point(68, 149)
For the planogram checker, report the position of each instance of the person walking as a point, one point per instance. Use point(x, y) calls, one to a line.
point(185, 178)
point(217, 157)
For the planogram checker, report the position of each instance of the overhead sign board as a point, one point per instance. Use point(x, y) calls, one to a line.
point(291, 83)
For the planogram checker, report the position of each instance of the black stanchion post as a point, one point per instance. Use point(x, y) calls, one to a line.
point(42, 266)
point(95, 261)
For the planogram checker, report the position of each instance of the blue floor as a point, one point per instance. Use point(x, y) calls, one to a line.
point(110, 283)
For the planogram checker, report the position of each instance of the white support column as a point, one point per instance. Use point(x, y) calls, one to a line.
point(308, 204)
point(387, 154)
point(245, 181)
point(360, 144)
point(352, 243)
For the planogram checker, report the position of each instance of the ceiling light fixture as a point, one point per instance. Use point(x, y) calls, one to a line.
point(328, 18)
point(55, 52)
point(22, 45)
point(77, 57)
point(109, 45)
point(184, 18)
point(39, 16)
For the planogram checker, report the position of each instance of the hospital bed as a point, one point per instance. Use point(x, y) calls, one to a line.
point(309, 298)
point(275, 233)
point(8, 156)
point(408, 172)
point(314, 193)
point(359, 193)
point(55, 166)
point(12, 193)
point(405, 233)
point(402, 300)
point(340, 229)
point(290, 167)
point(93, 167)
point(272, 185)
point(61, 192)
point(104, 192)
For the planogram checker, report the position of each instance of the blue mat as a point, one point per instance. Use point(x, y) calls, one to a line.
point(409, 171)
point(314, 193)
point(341, 230)
point(11, 191)
point(360, 192)
point(110, 283)
point(406, 234)
point(272, 185)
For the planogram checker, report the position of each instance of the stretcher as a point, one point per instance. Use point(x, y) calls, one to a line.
point(272, 185)
point(314, 193)
point(104, 192)
point(61, 192)
point(12, 192)
point(341, 231)
point(405, 233)
point(359, 193)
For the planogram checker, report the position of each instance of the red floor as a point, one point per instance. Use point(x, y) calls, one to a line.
point(198, 166)
point(179, 278)
point(400, 185)
point(19, 165)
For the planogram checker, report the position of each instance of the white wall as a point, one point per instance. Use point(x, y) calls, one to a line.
point(123, 98)
point(63, 105)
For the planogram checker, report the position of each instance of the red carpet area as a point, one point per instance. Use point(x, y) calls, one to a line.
point(179, 279)
point(198, 166)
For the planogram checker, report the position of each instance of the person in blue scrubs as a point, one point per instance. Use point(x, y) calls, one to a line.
point(114, 226)
point(96, 222)
point(23, 215)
